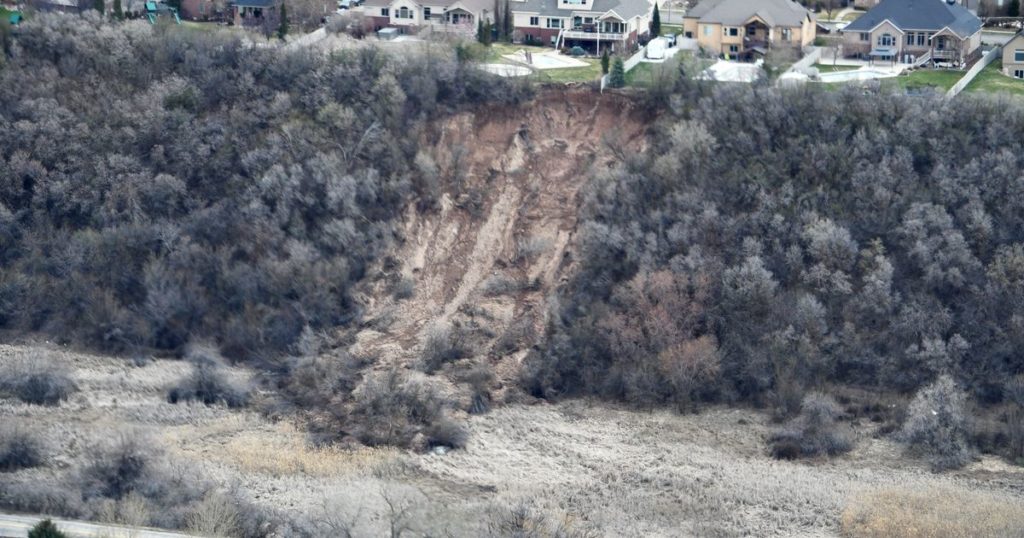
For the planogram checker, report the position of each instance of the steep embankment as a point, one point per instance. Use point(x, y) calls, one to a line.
point(500, 239)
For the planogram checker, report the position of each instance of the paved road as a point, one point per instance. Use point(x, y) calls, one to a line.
point(12, 526)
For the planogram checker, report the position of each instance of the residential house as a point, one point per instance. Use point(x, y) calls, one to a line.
point(747, 28)
point(411, 16)
point(594, 25)
point(258, 14)
point(915, 31)
point(1013, 56)
point(202, 10)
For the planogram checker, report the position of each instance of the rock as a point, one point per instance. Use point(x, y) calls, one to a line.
point(440, 450)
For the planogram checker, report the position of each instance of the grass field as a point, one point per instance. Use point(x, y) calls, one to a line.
point(572, 74)
point(497, 50)
point(991, 80)
point(825, 68)
point(852, 16)
point(925, 78)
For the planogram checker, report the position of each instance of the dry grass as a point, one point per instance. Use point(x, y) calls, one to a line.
point(291, 455)
point(932, 513)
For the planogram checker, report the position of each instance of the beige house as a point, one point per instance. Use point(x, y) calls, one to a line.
point(915, 32)
point(747, 28)
point(1013, 57)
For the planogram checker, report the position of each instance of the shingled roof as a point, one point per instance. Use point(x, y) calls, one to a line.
point(738, 12)
point(627, 9)
point(927, 15)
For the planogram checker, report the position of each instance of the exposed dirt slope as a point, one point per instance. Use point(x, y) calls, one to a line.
point(486, 259)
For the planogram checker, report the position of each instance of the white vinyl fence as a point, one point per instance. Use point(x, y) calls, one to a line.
point(988, 58)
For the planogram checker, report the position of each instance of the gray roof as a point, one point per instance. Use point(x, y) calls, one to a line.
point(627, 9)
point(932, 15)
point(737, 12)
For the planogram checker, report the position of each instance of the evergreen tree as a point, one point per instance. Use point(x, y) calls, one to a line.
point(100, 5)
point(282, 30)
point(1013, 9)
point(507, 21)
point(118, 10)
point(605, 61)
point(656, 22)
point(46, 529)
point(484, 31)
point(617, 78)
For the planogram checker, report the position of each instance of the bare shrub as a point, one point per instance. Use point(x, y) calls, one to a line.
point(19, 449)
point(404, 288)
point(528, 249)
point(936, 426)
point(446, 432)
point(479, 377)
point(118, 468)
point(208, 383)
point(443, 344)
point(815, 432)
point(522, 519)
point(214, 515)
point(502, 285)
point(390, 409)
point(931, 513)
point(37, 379)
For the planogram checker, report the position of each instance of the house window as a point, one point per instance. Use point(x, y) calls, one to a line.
point(734, 48)
point(707, 30)
point(385, 12)
point(910, 39)
point(1018, 55)
point(864, 36)
point(886, 40)
point(404, 13)
point(554, 23)
point(734, 31)
point(752, 30)
point(534, 21)
point(574, 2)
point(1018, 73)
point(786, 34)
point(426, 13)
point(921, 38)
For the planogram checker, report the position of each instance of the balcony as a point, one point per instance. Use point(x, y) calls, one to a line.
point(592, 35)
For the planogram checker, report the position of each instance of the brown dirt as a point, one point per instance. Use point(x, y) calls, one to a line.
point(528, 166)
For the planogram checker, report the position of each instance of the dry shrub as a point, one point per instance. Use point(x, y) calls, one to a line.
point(934, 513)
point(19, 448)
point(208, 382)
point(37, 379)
point(444, 344)
point(936, 426)
point(815, 432)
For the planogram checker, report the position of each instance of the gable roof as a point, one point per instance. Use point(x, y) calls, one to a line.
point(626, 9)
point(737, 12)
point(933, 15)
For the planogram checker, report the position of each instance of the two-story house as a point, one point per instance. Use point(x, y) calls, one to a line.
point(410, 16)
point(745, 28)
point(916, 32)
point(594, 25)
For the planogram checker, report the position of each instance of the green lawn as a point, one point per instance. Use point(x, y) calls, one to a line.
point(497, 50)
point(924, 78)
point(671, 29)
point(991, 80)
point(826, 68)
point(572, 74)
point(852, 16)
